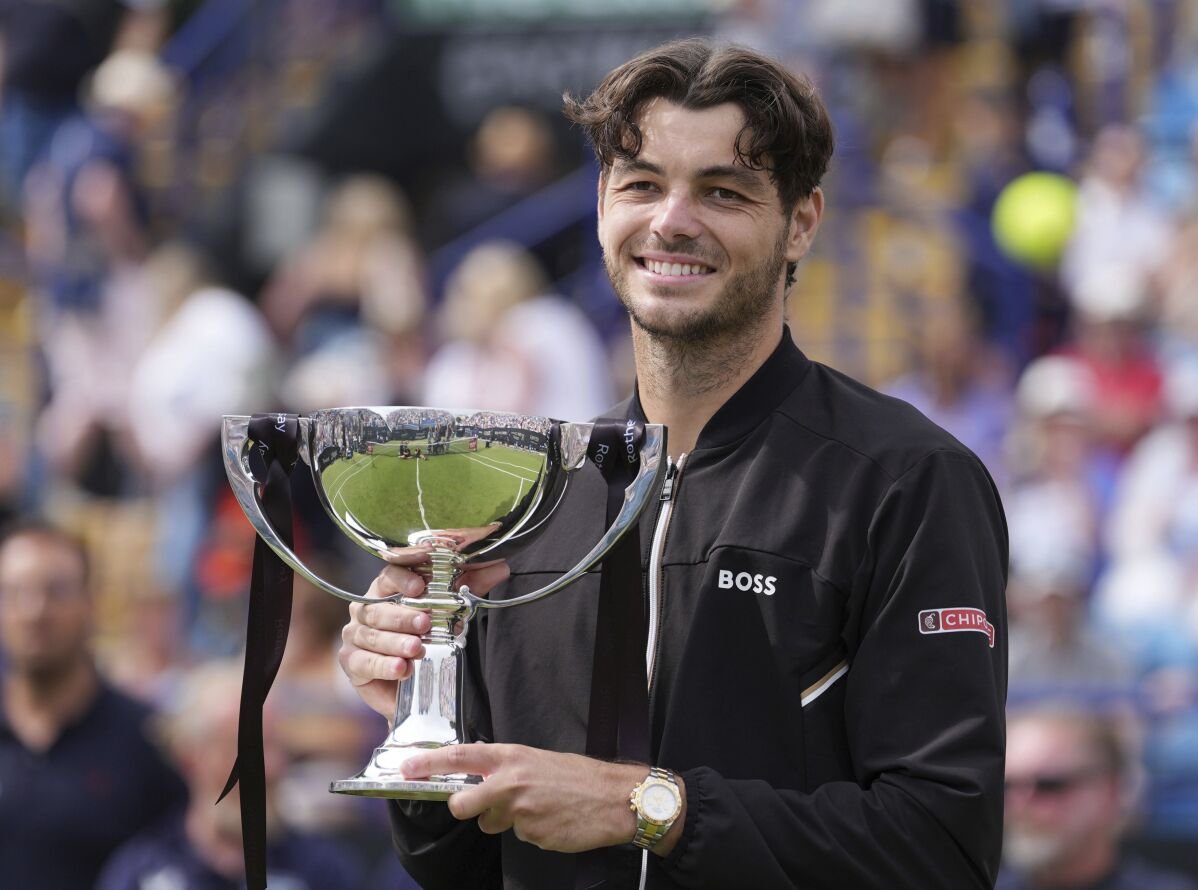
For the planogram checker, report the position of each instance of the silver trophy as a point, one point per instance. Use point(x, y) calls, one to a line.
point(466, 486)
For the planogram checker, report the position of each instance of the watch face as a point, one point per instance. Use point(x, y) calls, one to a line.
point(659, 802)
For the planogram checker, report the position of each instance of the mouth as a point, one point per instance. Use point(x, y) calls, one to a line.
point(668, 269)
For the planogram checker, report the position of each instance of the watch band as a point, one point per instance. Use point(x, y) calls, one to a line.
point(648, 832)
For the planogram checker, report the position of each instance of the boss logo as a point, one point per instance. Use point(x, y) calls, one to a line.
point(757, 583)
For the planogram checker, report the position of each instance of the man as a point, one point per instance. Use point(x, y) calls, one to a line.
point(1068, 796)
point(78, 775)
point(200, 848)
point(815, 552)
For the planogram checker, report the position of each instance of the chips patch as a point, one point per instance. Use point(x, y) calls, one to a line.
point(955, 620)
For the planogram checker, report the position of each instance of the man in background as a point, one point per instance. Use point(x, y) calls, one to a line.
point(1069, 794)
point(200, 847)
point(78, 774)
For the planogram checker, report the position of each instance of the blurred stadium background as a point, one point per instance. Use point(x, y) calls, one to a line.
point(221, 206)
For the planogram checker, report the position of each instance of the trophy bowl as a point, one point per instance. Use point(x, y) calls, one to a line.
point(464, 485)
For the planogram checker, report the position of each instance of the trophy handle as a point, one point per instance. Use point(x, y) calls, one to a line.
point(235, 445)
point(636, 495)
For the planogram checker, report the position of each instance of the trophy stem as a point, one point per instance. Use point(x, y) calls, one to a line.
point(427, 706)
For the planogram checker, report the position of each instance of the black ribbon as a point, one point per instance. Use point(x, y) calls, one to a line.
point(276, 448)
point(618, 724)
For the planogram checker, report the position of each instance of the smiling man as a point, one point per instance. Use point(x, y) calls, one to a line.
point(826, 661)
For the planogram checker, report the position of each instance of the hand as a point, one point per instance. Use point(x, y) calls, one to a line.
point(562, 802)
point(381, 639)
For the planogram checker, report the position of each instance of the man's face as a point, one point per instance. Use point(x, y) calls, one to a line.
point(696, 243)
point(1061, 806)
point(45, 608)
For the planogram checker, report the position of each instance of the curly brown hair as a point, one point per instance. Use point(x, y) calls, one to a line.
point(787, 131)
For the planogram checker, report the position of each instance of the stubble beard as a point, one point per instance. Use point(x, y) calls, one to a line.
point(739, 310)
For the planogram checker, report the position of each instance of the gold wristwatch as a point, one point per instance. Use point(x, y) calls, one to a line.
point(656, 801)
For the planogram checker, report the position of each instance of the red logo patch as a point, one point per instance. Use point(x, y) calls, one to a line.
point(961, 618)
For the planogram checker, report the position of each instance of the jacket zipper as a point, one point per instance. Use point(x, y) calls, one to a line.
point(660, 532)
point(653, 638)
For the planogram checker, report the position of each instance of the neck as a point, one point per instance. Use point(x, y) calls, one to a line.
point(683, 383)
point(39, 704)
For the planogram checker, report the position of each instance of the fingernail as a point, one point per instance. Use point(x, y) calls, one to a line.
point(413, 586)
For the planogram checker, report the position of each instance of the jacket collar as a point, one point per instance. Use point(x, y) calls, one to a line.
point(753, 402)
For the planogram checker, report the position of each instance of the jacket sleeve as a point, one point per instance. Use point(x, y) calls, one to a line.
point(923, 713)
point(441, 852)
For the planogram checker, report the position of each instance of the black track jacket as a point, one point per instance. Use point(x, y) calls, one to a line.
point(827, 583)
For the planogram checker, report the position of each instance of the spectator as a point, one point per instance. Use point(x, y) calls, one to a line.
point(49, 49)
point(512, 155)
point(1116, 223)
point(322, 724)
point(513, 345)
point(956, 386)
point(1053, 646)
point(1051, 457)
point(350, 304)
point(1156, 506)
point(1112, 321)
point(78, 775)
point(200, 848)
point(211, 354)
point(1069, 793)
point(1149, 598)
point(89, 236)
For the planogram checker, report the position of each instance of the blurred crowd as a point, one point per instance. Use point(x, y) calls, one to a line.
point(1012, 246)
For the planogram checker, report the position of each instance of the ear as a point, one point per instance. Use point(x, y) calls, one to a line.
point(804, 223)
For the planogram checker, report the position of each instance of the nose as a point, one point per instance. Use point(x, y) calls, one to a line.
point(676, 218)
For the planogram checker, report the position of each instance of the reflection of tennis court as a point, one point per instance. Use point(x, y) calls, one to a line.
point(391, 495)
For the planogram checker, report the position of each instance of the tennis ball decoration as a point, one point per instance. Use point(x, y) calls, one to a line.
point(1033, 218)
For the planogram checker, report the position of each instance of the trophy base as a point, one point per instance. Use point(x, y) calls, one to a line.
point(403, 789)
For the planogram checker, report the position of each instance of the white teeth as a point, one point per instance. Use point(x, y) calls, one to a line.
point(660, 268)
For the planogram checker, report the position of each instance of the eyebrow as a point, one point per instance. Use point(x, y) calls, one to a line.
point(741, 176)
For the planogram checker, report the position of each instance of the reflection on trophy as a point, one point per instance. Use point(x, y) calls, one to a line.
point(464, 486)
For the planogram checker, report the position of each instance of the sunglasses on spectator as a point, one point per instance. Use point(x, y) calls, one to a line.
point(1052, 785)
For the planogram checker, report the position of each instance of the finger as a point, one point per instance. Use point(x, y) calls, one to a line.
point(383, 642)
point(477, 800)
point(484, 577)
point(493, 821)
point(391, 618)
point(477, 759)
point(391, 581)
point(363, 666)
point(397, 579)
point(406, 556)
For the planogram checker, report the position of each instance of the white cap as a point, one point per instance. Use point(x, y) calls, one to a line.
point(1115, 292)
point(1055, 384)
